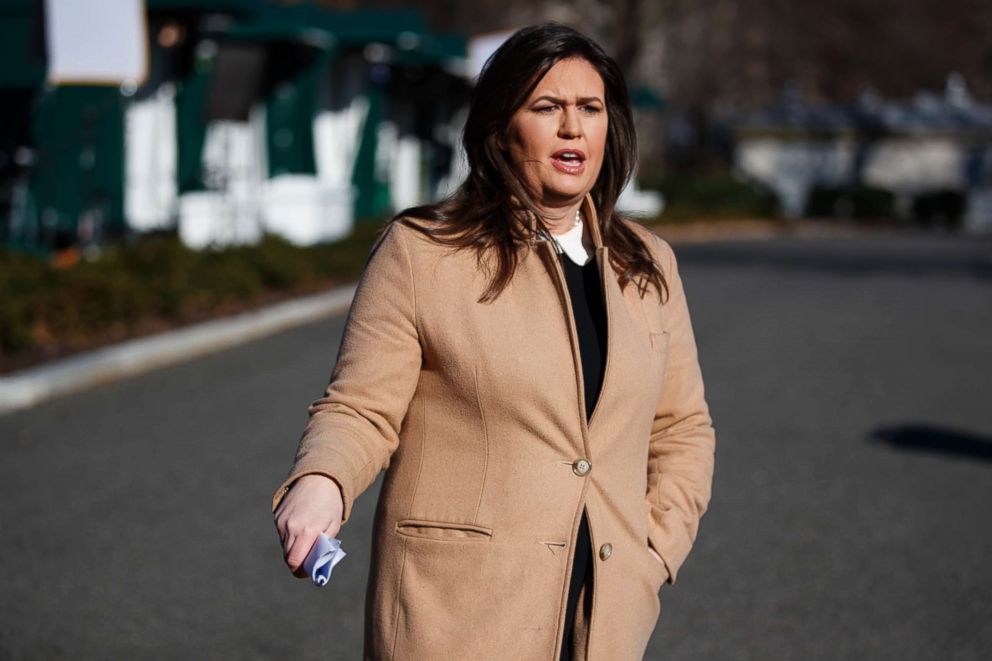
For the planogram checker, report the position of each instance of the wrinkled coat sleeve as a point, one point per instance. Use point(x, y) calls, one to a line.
point(683, 441)
point(354, 428)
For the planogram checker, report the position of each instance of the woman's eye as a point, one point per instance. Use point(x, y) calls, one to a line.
point(592, 110)
point(544, 108)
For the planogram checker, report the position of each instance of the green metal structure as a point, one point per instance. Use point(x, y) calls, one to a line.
point(75, 182)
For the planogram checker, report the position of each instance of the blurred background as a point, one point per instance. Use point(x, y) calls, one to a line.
point(823, 170)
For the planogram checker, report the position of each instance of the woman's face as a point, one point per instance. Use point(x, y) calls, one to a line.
point(558, 136)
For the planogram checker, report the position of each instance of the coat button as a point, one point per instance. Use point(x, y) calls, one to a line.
point(581, 466)
point(605, 551)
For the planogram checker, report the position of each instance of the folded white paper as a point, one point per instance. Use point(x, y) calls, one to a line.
point(326, 553)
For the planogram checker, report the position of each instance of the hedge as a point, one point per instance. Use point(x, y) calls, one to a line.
point(157, 278)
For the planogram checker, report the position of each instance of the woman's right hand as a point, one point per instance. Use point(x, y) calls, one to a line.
point(312, 505)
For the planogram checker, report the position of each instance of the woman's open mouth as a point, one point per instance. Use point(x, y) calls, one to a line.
point(569, 161)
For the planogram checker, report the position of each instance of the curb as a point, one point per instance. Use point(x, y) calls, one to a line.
point(26, 388)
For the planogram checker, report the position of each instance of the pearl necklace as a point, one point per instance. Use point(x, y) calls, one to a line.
point(570, 242)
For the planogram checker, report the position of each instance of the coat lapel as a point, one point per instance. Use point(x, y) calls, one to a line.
point(610, 288)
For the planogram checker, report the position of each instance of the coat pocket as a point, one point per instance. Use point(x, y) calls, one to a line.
point(660, 574)
point(659, 342)
point(443, 530)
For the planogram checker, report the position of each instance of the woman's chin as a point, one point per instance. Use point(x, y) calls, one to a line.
point(568, 191)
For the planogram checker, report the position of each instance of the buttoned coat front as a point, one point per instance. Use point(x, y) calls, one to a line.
point(476, 412)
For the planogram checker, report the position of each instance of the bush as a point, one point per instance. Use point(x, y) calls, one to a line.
point(279, 263)
point(156, 277)
point(20, 278)
point(724, 195)
point(850, 201)
point(942, 209)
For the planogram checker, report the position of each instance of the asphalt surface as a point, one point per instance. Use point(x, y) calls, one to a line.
point(849, 383)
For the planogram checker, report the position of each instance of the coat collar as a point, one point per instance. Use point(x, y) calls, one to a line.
point(592, 218)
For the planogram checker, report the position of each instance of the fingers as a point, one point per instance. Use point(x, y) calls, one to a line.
point(295, 546)
point(300, 547)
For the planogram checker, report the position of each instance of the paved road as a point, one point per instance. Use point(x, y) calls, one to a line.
point(849, 381)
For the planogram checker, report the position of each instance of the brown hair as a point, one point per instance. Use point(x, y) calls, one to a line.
point(486, 210)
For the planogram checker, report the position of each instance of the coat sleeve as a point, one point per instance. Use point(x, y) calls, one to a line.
point(683, 441)
point(354, 428)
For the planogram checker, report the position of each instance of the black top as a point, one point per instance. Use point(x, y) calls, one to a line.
point(590, 322)
point(589, 312)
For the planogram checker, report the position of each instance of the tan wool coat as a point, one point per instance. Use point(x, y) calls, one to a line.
point(476, 412)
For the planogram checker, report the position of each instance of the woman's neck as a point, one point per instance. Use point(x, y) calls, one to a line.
point(560, 220)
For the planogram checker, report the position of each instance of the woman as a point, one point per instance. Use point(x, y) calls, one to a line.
point(521, 359)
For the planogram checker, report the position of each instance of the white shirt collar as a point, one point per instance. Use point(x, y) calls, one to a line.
point(570, 243)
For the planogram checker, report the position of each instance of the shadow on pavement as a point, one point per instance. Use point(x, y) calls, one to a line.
point(930, 438)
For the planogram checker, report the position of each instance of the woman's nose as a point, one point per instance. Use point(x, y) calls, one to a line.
point(570, 126)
